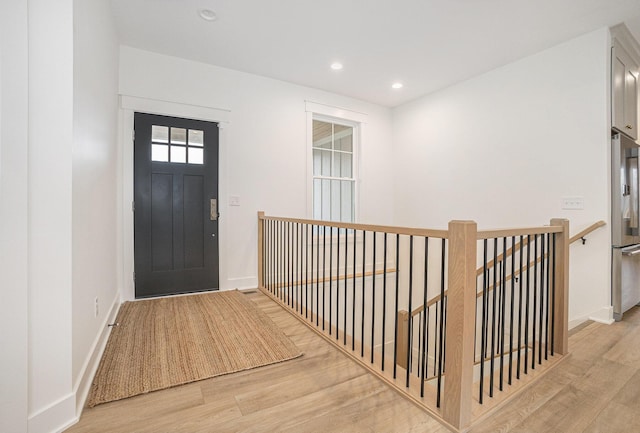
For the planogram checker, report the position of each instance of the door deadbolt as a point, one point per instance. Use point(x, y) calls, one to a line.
point(213, 208)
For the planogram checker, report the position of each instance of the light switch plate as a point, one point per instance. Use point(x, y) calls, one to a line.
point(573, 203)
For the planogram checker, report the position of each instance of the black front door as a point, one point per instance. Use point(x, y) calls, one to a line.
point(175, 205)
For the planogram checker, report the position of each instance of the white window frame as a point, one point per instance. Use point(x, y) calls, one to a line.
point(339, 116)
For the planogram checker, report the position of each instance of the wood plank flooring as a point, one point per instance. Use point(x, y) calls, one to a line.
point(596, 389)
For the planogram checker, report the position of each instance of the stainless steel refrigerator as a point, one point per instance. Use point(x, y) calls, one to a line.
point(625, 225)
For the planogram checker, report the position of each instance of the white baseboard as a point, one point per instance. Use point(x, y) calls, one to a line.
point(90, 366)
point(54, 418)
point(241, 283)
point(603, 315)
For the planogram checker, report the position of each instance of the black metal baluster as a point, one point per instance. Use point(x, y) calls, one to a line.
point(353, 294)
point(441, 337)
point(513, 278)
point(503, 292)
point(553, 297)
point(546, 326)
point(267, 267)
point(535, 302)
point(364, 263)
point(419, 343)
point(324, 273)
point(485, 312)
point(280, 260)
point(285, 270)
point(425, 311)
point(330, 276)
point(493, 316)
point(273, 257)
point(541, 299)
point(436, 341)
point(410, 322)
point(395, 337)
point(520, 306)
point(317, 275)
point(283, 262)
point(306, 270)
point(526, 311)
point(498, 291)
point(384, 297)
point(346, 273)
point(297, 280)
point(373, 296)
point(338, 284)
point(301, 268)
point(290, 263)
point(292, 268)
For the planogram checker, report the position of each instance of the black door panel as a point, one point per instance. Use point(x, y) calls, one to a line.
point(175, 176)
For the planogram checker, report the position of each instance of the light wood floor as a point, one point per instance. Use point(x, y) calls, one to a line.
point(596, 389)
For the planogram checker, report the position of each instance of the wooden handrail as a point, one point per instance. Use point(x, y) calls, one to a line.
point(586, 231)
point(429, 233)
point(501, 257)
point(505, 233)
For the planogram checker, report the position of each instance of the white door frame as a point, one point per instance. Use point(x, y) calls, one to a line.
point(128, 106)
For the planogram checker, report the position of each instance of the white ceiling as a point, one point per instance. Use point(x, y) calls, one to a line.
point(426, 44)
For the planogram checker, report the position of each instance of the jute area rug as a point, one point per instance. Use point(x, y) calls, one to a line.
point(171, 341)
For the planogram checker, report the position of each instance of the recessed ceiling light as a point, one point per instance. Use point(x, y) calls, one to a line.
point(207, 14)
point(396, 86)
point(336, 66)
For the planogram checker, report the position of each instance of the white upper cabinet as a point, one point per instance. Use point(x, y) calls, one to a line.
point(624, 90)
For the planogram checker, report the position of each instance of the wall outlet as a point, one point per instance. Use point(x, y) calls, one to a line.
point(96, 308)
point(573, 203)
point(234, 200)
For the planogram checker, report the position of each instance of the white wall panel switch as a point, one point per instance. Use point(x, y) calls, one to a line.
point(234, 200)
point(573, 203)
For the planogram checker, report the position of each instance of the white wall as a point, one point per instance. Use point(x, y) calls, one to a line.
point(263, 148)
point(51, 401)
point(95, 132)
point(13, 214)
point(504, 147)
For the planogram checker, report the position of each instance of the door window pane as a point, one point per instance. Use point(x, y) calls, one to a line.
point(178, 154)
point(159, 152)
point(196, 155)
point(159, 134)
point(196, 137)
point(178, 136)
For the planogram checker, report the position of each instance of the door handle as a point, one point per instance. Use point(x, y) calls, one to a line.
point(631, 251)
point(213, 209)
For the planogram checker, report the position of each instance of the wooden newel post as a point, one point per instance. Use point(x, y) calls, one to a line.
point(260, 249)
point(461, 317)
point(560, 292)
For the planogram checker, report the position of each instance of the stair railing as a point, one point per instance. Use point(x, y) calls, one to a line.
point(353, 283)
